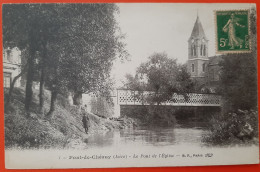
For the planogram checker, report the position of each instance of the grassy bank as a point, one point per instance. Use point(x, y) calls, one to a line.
point(63, 130)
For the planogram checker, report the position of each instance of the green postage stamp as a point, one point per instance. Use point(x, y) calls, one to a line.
point(232, 31)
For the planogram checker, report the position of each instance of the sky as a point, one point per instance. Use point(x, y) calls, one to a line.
point(163, 27)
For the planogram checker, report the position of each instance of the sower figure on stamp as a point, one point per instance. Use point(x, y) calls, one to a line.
point(230, 28)
point(85, 119)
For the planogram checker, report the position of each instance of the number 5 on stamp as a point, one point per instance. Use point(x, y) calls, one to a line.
point(232, 31)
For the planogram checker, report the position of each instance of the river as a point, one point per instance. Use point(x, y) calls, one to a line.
point(185, 133)
point(181, 145)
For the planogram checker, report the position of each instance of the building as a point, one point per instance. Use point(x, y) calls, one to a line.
point(204, 70)
point(11, 66)
point(198, 51)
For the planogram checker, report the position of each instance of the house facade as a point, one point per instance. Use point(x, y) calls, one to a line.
point(11, 66)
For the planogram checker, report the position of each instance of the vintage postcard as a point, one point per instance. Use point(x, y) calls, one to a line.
point(129, 85)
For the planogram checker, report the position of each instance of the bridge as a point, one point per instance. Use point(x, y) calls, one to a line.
point(130, 97)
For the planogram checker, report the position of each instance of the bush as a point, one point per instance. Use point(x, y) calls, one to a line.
point(238, 127)
point(23, 132)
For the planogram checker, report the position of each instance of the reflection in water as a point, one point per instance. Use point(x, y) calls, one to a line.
point(182, 134)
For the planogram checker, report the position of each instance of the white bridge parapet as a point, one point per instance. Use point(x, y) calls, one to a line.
point(129, 97)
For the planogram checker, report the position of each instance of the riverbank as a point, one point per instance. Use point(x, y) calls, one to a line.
point(239, 127)
point(63, 130)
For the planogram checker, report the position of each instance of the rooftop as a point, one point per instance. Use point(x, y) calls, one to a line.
point(198, 31)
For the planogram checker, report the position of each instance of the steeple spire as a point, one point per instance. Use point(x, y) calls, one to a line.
point(198, 31)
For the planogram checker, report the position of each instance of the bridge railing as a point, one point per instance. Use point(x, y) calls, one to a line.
point(129, 97)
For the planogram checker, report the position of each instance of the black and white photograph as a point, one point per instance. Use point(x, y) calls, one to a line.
point(100, 85)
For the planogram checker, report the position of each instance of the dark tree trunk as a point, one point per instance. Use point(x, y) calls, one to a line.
point(29, 80)
point(42, 79)
point(77, 98)
point(41, 94)
point(9, 98)
point(53, 100)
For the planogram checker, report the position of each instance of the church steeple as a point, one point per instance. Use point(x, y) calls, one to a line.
point(198, 42)
point(198, 50)
point(198, 31)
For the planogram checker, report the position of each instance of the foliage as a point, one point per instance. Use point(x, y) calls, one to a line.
point(88, 45)
point(237, 127)
point(29, 27)
point(161, 75)
point(238, 80)
point(238, 86)
point(25, 24)
point(134, 82)
point(21, 132)
point(70, 46)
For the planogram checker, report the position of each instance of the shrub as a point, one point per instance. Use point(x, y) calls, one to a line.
point(236, 127)
point(25, 132)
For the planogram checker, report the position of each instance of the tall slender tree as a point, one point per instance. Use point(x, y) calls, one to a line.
point(20, 29)
point(84, 50)
point(93, 43)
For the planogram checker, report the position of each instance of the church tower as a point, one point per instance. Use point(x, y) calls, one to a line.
point(198, 51)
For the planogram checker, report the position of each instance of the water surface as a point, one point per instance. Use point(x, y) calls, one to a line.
point(181, 134)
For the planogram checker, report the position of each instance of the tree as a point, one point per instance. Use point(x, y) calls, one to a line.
point(71, 46)
point(185, 81)
point(238, 83)
point(57, 73)
point(23, 27)
point(135, 82)
point(50, 27)
point(17, 29)
point(84, 47)
point(161, 75)
point(84, 50)
point(93, 44)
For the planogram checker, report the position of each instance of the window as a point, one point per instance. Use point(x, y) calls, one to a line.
point(192, 67)
point(204, 50)
point(203, 67)
point(8, 55)
point(201, 49)
point(7, 79)
point(194, 50)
